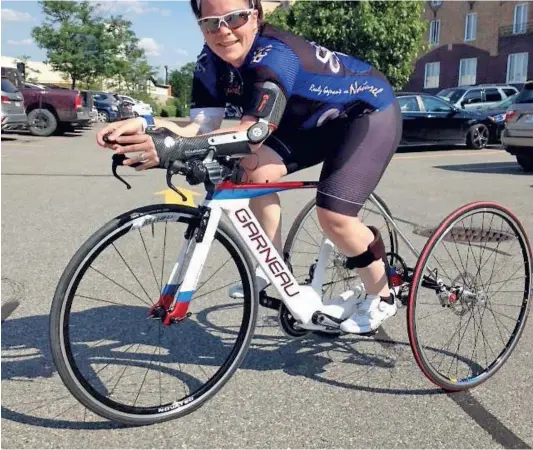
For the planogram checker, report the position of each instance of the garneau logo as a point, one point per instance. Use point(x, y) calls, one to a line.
point(266, 249)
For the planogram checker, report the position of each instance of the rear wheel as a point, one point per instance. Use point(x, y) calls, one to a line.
point(42, 122)
point(470, 296)
point(303, 242)
point(477, 137)
point(122, 363)
point(526, 161)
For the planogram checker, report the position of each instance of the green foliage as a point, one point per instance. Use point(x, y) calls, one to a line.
point(181, 84)
point(387, 34)
point(89, 48)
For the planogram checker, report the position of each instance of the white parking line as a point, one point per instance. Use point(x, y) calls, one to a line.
point(448, 154)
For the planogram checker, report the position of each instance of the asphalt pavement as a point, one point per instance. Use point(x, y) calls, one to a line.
point(312, 393)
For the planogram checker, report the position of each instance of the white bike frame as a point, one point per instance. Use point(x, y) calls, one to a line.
point(301, 301)
point(232, 199)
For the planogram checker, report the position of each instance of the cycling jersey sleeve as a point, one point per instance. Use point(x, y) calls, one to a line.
point(272, 62)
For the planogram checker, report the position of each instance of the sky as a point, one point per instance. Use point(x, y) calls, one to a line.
point(167, 30)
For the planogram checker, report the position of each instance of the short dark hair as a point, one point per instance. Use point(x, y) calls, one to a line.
point(256, 4)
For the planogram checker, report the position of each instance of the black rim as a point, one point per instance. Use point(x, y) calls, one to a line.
point(181, 402)
point(451, 365)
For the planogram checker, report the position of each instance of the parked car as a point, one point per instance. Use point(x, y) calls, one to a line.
point(497, 113)
point(430, 120)
point(232, 112)
point(13, 109)
point(125, 109)
point(477, 97)
point(48, 110)
point(53, 110)
point(517, 137)
point(107, 106)
point(139, 108)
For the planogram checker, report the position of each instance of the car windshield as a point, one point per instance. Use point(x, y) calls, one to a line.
point(526, 95)
point(8, 86)
point(452, 95)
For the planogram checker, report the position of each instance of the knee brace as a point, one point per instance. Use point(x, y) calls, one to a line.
point(374, 252)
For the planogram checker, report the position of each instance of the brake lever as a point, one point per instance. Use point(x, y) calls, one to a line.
point(118, 160)
point(172, 170)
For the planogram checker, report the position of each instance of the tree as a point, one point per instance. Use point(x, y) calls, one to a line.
point(181, 84)
point(88, 47)
point(387, 34)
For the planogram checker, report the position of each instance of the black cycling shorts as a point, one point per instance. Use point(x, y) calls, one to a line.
point(355, 151)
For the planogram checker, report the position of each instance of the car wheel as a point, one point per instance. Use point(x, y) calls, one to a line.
point(477, 136)
point(42, 122)
point(526, 161)
point(103, 116)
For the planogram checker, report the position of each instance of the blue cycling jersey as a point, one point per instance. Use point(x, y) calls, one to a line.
point(319, 84)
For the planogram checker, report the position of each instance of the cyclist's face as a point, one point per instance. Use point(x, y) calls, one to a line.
point(231, 43)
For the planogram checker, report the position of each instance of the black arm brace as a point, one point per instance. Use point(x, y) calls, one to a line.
point(171, 147)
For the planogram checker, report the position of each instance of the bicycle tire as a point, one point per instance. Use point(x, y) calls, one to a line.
point(65, 291)
point(307, 210)
point(447, 383)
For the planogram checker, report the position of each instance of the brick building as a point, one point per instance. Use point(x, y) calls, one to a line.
point(475, 42)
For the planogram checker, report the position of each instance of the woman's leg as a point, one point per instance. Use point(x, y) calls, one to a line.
point(266, 166)
point(348, 178)
point(352, 238)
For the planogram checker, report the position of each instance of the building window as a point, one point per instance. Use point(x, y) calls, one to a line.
point(431, 77)
point(517, 67)
point(520, 19)
point(434, 32)
point(470, 27)
point(467, 71)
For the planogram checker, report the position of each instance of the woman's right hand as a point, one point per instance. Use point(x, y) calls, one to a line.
point(125, 127)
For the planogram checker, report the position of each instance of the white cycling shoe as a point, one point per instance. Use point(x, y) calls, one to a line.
point(261, 281)
point(369, 315)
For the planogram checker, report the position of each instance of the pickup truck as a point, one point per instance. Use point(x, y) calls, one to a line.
point(53, 110)
point(50, 110)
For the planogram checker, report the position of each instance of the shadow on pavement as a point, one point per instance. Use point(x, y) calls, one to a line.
point(366, 364)
point(509, 168)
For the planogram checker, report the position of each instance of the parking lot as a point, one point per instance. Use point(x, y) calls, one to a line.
point(313, 393)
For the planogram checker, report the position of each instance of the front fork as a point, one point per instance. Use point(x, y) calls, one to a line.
point(175, 298)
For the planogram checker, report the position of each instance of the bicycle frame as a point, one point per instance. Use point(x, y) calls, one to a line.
point(232, 199)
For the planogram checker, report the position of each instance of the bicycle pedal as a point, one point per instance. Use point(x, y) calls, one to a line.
point(326, 321)
point(269, 302)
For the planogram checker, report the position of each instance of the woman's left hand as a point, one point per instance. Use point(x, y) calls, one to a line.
point(143, 145)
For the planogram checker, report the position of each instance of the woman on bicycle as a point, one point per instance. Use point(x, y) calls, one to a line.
point(320, 107)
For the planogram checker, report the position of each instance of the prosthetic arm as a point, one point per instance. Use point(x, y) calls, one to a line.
point(268, 103)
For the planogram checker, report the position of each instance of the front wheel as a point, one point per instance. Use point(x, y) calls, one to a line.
point(122, 363)
point(470, 296)
point(477, 137)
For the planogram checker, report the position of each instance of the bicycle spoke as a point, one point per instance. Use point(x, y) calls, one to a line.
point(149, 260)
point(119, 285)
point(131, 271)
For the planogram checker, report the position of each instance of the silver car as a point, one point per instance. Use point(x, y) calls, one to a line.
point(13, 109)
point(517, 137)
